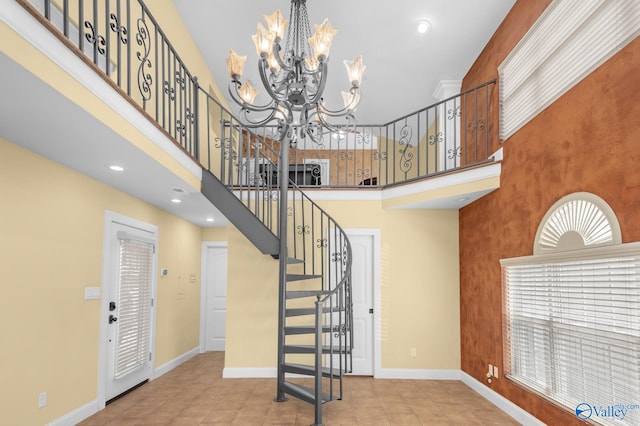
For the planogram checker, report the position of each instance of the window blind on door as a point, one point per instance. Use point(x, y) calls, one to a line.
point(572, 327)
point(134, 306)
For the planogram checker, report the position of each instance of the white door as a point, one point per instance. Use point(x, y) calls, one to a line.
point(216, 294)
point(362, 290)
point(129, 308)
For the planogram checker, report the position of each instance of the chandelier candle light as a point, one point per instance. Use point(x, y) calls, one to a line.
point(294, 76)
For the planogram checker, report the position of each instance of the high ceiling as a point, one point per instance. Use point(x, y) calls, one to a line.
point(403, 66)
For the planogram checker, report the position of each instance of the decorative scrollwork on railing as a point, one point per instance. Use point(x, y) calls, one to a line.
point(336, 257)
point(120, 30)
point(95, 39)
point(321, 242)
point(303, 229)
point(181, 126)
point(363, 173)
point(454, 112)
point(454, 152)
point(382, 156)
point(168, 90)
point(475, 125)
point(344, 156)
point(289, 211)
point(362, 139)
point(180, 80)
point(219, 142)
point(339, 330)
point(437, 138)
point(271, 195)
point(145, 81)
point(406, 151)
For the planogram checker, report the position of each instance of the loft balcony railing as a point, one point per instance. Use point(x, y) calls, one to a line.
point(123, 42)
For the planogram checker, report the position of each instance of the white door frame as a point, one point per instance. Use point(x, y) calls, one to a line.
point(377, 282)
point(204, 289)
point(111, 218)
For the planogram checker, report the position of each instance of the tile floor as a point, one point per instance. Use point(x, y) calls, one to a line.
point(195, 394)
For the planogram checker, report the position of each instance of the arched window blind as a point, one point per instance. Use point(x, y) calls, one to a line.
point(572, 316)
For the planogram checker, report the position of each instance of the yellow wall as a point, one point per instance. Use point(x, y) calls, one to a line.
point(214, 234)
point(252, 305)
point(51, 239)
point(419, 289)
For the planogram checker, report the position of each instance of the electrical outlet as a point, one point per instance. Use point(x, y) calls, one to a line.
point(495, 371)
point(42, 399)
point(414, 352)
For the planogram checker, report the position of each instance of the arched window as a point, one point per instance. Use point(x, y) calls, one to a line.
point(572, 312)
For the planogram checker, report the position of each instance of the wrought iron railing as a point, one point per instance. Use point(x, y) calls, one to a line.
point(445, 136)
point(124, 41)
point(316, 238)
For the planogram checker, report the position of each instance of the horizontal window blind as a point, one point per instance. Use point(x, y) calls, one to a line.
point(572, 329)
point(569, 40)
point(134, 306)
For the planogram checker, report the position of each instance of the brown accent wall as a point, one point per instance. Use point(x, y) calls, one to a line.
point(588, 140)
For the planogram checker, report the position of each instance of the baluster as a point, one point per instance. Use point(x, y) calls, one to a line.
point(65, 18)
point(107, 56)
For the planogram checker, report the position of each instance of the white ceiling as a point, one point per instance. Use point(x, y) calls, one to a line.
point(403, 66)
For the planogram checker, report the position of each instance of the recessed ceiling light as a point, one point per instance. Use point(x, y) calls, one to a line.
point(115, 167)
point(176, 200)
point(424, 26)
point(210, 219)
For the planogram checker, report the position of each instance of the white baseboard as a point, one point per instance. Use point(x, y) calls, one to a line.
point(168, 366)
point(249, 373)
point(398, 373)
point(501, 402)
point(77, 415)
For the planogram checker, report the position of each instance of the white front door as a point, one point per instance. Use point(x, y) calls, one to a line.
point(362, 290)
point(129, 307)
point(216, 296)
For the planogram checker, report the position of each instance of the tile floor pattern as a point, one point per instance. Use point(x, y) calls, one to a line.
point(196, 394)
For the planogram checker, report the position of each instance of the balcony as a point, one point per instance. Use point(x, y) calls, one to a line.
point(106, 83)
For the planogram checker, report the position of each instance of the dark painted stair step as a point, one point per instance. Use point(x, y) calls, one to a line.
point(310, 349)
point(293, 261)
point(306, 293)
point(294, 312)
point(301, 277)
point(307, 329)
point(304, 393)
point(309, 370)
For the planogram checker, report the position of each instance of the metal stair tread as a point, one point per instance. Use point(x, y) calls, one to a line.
point(304, 393)
point(293, 260)
point(300, 277)
point(294, 312)
point(311, 349)
point(305, 293)
point(307, 329)
point(309, 370)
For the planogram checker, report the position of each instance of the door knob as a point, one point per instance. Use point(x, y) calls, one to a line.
point(112, 319)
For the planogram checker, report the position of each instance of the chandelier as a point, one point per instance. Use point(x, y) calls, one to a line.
point(294, 75)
